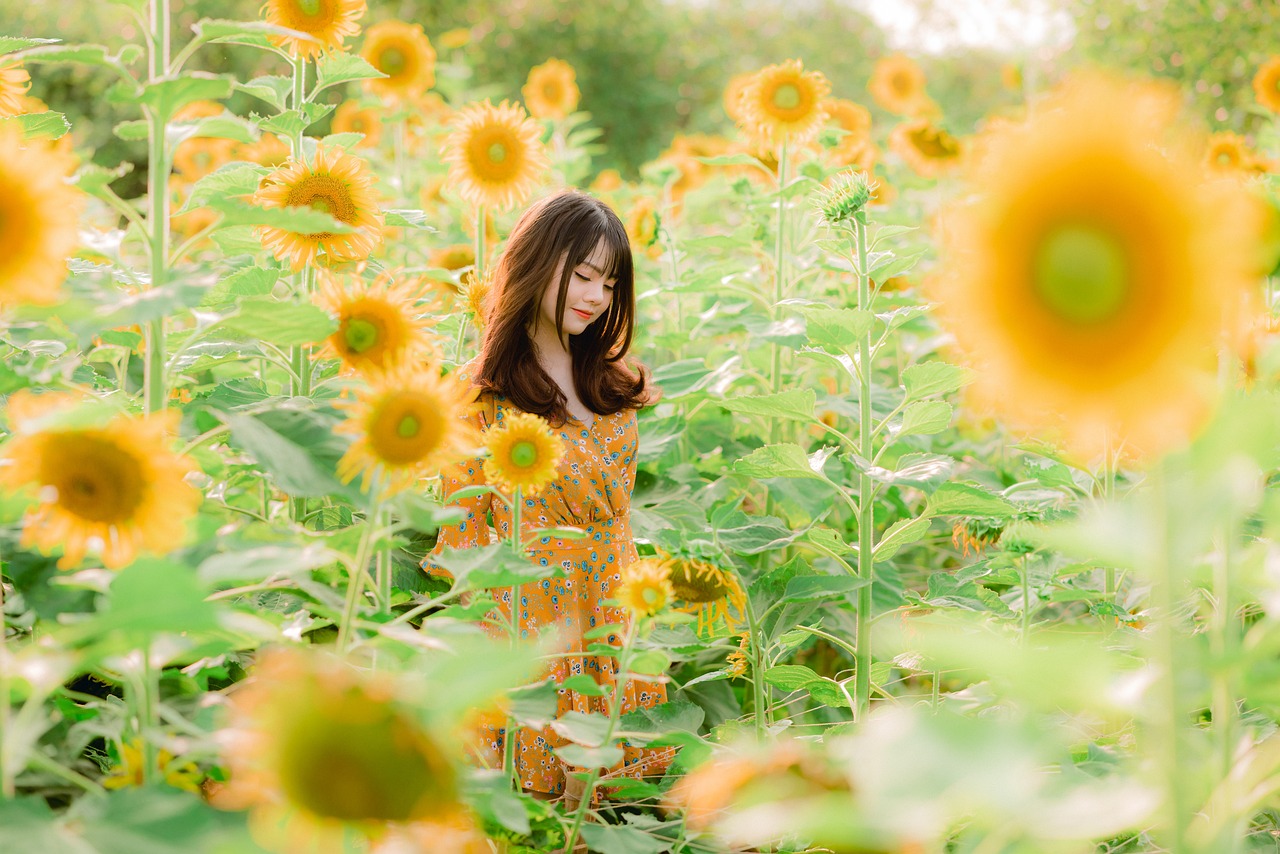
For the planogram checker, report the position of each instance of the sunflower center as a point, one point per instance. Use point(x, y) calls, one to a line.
point(787, 96)
point(551, 91)
point(310, 8)
point(1081, 273)
point(323, 192)
point(95, 479)
point(497, 152)
point(360, 334)
point(651, 596)
point(934, 143)
point(524, 454)
point(392, 61)
point(406, 428)
point(901, 83)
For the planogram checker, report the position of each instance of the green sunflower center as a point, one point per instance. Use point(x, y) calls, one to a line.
point(651, 596)
point(497, 152)
point(787, 96)
point(1081, 273)
point(309, 7)
point(360, 334)
point(408, 427)
point(524, 454)
point(392, 61)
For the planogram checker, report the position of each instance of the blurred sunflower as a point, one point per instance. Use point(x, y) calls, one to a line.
point(733, 96)
point(380, 324)
point(524, 454)
point(1088, 276)
point(404, 53)
point(329, 22)
point(455, 38)
point(270, 150)
point(551, 92)
point(1229, 153)
point(897, 84)
point(14, 83)
point(317, 749)
point(784, 103)
point(338, 184)
point(495, 155)
point(39, 219)
point(607, 181)
point(928, 149)
point(646, 587)
point(458, 256)
point(454, 833)
point(193, 221)
point(862, 155)
point(407, 425)
point(643, 224)
point(195, 158)
point(428, 115)
point(707, 591)
point(477, 290)
point(1266, 84)
point(852, 118)
point(130, 771)
point(350, 117)
point(113, 488)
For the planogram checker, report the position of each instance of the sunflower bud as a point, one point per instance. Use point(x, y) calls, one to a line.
point(844, 198)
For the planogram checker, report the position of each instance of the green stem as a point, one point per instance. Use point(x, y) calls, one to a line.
point(158, 214)
point(509, 737)
point(866, 521)
point(1108, 492)
point(1026, 598)
point(299, 96)
point(382, 559)
point(1223, 645)
point(779, 286)
point(356, 580)
point(149, 717)
point(757, 669)
point(7, 772)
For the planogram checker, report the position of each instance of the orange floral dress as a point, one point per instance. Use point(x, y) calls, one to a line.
point(592, 492)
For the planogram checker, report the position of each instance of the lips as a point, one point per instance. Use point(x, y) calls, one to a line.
point(585, 315)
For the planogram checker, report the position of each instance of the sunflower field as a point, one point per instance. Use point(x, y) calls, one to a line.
point(955, 511)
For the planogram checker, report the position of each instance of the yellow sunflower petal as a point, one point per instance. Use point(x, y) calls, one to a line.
point(707, 591)
point(524, 454)
point(328, 22)
point(1266, 84)
point(14, 82)
point(403, 52)
point(351, 117)
point(551, 91)
point(495, 155)
point(39, 215)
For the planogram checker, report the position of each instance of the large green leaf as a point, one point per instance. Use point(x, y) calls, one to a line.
point(283, 323)
point(929, 378)
point(287, 447)
point(837, 328)
point(333, 69)
point(229, 181)
point(918, 470)
point(46, 125)
point(814, 588)
point(490, 566)
point(149, 597)
point(272, 88)
point(619, 839)
point(794, 404)
point(960, 499)
point(924, 418)
point(589, 730)
point(782, 460)
point(166, 97)
point(299, 220)
point(8, 44)
point(902, 533)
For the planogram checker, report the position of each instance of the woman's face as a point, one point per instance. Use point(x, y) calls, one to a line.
point(588, 296)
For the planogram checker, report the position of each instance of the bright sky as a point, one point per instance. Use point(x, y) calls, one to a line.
point(1013, 25)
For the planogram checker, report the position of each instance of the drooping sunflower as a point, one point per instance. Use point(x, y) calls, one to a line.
point(111, 488)
point(339, 184)
point(408, 423)
point(495, 155)
point(1089, 275)
point(897, 84)
point(39, 218)
point(403, 52)
point(380, 323)
point(329, 22)
point(707, 591)
point(551, 92)
point(928, 149)
point(351, 117)
point(646, 587)
point(524, 454)
point(1266, 84)
point(14, 83)
point(784, 103)
point(317, 749)
point(130, 772)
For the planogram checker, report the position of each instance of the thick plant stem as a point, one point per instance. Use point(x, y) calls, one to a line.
point(158, 214)
point(866, 521)
point(759, 702)
point(508, 737)
point(779, 286)
point(355, 583)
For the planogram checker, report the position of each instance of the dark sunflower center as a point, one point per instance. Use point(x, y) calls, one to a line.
point(787, 96)
point(901, 83)
point(94, 478)
point(524, 453)
point(361, 335)
point(1081, 273)
point(699, 583)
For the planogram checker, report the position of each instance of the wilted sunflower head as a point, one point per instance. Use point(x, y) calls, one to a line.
point(551, 91)
point(708, 591)
point(403, 52)
point(328, 22)
point(524, 454)
point(380, 323)
point(646, 587)
point(1266, 84)
point(784, 103)
point(495, 155)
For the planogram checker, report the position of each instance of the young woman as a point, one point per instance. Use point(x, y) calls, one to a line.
point(560, 321)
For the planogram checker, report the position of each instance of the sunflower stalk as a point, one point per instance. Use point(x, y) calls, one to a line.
point(7, 771)
point(508, 737)
point(356, 576)
point(866, 507)
point(158, 209)
point(759, 701)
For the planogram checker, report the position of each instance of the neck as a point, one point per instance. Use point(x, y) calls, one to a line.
point(550, 351)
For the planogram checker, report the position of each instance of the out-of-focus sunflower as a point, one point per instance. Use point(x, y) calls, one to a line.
point(733, 96)
point(551, 92)
point(784, 103)
point(1266, 84)
point(643, 226)
point(193, 221)
point(407, 426)
point(270, 150)
point(852, 118)
point(455, 833)
point(14, 83)
point(318, 750)
point(39, 218)
point(130, 771)
point(608, 181)
point(351, 117)
point(429, 115)
point(113, 488)
point(458, 256)
point(403, 52)
point(195, 158)
point(707, 591)
point(861, 154)
point(1088, 276)
point(380, 324)
point(897, 84)
point(477, 290)
point(329, 22)
point(646, 587)
point(928, 149)
point(495, 155)
point(1229, 153)
point(524, 454)
point(338, 184)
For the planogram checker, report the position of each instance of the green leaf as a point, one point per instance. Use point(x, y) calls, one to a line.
point(814, 588)
point(132, 130)
point(829, 539)
point(902, 533)
point(925, 418)
point(246, 282)
point(404, 218)
point(94, 179)
point(166, 97)
point(828, 693)
point(46, 125)
point(894, 265)
point(650, 662)
point(731, 160)
point(534, 705)
point(757, 534)
point(782, 460)
point(285, 450)
point(584, 729)
point(8, 44)
point(959, 499)
point(590, 757)
point(494, 565)
point(837, 328)
point(584, 685)
point(918, 470)
point(672, 716)
point(85, 54)
point(290, 123)
point(211, 127)
point(929, 378)
point(229, 181)
point(262, 562)
point(794, 405)
point(681, 377)
point(790, 677)
point(282, 323)
point(149, 597)
point(272, 88)
point(620, 839)
point(335, 68)
point(299, 220)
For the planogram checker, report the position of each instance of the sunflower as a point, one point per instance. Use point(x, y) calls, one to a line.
point(270, 150)
point(195, 158)
point(111, 488)
point(784, 103)
point(329, 22)
point(897, 84)
point(350, 117)
point(643, 227)
point(39, 218)
point(707, 591)
point(477, 290)
point(551, 92)
point(14, 82)
point(861, 155)
point(854, 119)
point(646, 587)
point(1230, 153)
point(733, 96)
point(339, 184)
point(736, 662)
point(404, 53)
point(524, 454)
point(193, 221)
point(454, 258)
point(130, 771)
point(927, 148)
point(380, 323)
point(495, 155)
point(408, 424)
point(842, 198)
point(607, 181)
point(428, 114)
point(1088, 275)
point(1266, 84)
point(317, 749)
point(455, 38)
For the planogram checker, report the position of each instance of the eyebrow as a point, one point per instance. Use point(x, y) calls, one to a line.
point(595, 268)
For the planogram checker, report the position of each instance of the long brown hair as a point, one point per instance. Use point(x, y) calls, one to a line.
point(568, 226)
